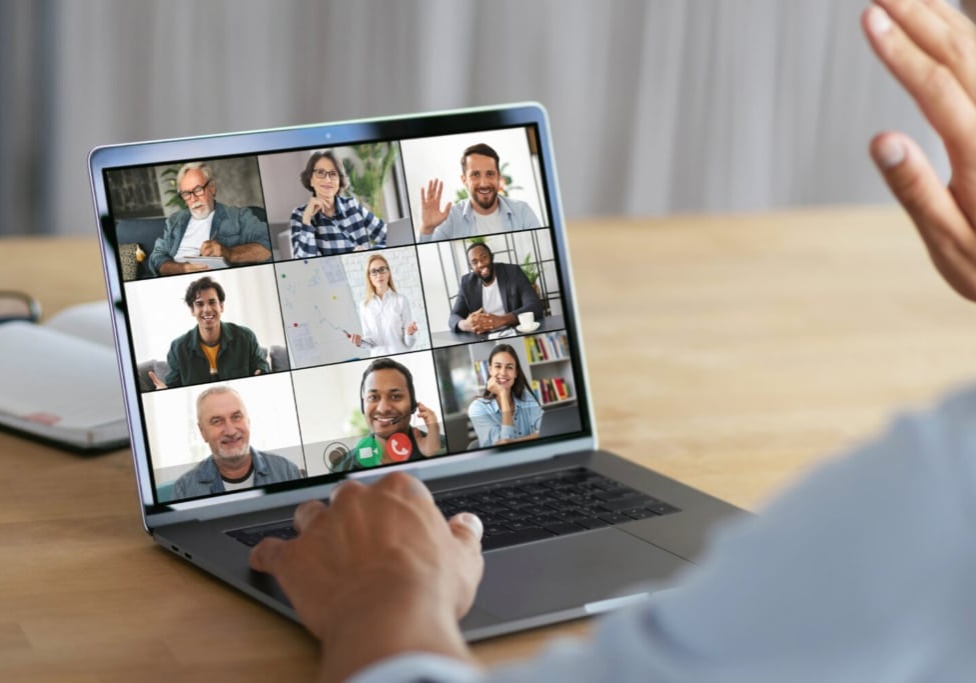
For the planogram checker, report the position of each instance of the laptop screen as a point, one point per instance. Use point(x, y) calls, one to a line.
point(298, 304)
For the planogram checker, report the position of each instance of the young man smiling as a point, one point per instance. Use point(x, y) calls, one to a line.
point(213, 350)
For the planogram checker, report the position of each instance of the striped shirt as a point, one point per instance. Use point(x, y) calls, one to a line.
point(352, 227)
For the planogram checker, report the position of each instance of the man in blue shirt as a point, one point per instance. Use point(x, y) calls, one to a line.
point(207, 228)
point(485, 212)
point(863, 572)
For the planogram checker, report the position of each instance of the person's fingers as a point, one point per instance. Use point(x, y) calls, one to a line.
point(266, 554)
point(941, 223)
point(467, 528)
point(405, 485)
point(955, 18)
point(306, 513)
point(941, 97)
point(346, 488)
point(934, 29)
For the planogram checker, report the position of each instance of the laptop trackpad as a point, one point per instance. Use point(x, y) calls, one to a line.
point(569, 572)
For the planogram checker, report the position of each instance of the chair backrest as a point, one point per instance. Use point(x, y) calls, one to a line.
point(399, 232)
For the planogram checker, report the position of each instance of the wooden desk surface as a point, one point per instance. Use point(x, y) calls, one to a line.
point(728, 352)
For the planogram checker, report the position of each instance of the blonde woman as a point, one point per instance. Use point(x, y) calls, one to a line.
point(388, 326)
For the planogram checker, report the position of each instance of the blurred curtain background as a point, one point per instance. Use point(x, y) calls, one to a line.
point(657, 106)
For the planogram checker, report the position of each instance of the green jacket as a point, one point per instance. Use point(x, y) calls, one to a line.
point(239, 356)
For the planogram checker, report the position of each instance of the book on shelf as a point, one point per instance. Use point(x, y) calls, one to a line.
point(546, 347)
point(481, 372)
point(550, 389)
point(59, 380)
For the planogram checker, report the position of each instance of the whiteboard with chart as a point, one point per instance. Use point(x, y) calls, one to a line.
point(317, 309)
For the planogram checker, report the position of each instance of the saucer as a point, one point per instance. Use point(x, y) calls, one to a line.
point(529, 328)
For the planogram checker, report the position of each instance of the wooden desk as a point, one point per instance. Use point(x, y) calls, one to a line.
point(728, 352)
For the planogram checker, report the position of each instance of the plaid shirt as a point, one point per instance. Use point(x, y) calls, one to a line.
point(352, 226)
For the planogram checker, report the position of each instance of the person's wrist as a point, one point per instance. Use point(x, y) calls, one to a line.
point(390, 623)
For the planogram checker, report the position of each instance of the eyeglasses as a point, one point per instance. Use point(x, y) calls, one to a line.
point(18, 306)
point(195, 192)
point(379, 271)
point(322, 174)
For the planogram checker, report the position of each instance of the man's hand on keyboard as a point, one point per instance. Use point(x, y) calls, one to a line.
point(378, 572)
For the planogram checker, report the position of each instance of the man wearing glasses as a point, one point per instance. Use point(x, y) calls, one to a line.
point(206, 228)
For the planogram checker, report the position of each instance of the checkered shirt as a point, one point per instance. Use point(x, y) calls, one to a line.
point(352, 226)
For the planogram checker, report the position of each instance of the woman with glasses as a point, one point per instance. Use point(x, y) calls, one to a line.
point(331, 223)
point(507, 411)
point(388, 326)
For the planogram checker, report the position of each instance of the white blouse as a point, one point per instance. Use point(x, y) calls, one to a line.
point(384, 320)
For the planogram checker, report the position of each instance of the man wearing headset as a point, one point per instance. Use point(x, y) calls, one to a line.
point(388, 401)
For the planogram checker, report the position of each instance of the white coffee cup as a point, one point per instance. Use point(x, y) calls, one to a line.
point(527, 319)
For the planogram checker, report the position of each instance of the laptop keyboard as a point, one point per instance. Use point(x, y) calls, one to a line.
point(528, 509)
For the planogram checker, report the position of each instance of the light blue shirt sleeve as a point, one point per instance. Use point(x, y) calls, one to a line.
point(485, 421)
point(865, 571)
point(452, 227)
point(526, 218)
point(418, 668)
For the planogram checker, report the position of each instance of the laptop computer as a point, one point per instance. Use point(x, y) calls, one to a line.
point(572, 528)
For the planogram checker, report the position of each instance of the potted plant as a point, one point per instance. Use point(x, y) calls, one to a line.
point(366, 179)
point(531, 270)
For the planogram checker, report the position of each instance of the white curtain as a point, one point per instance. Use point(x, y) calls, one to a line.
point(657, 106)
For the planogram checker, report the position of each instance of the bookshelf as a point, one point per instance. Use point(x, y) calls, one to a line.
point(550, 369)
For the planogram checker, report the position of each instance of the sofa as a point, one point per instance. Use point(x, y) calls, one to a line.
point(141, 233)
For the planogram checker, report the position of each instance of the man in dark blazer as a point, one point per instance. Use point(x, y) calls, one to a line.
point(492, 295)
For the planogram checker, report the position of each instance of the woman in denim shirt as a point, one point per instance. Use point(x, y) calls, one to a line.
point(508, 411)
